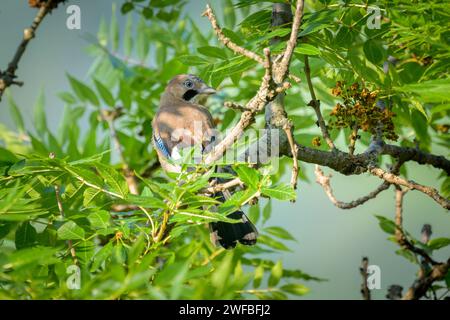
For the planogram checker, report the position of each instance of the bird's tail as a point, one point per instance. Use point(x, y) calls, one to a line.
point(228, 235)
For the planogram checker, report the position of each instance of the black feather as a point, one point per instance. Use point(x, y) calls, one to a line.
point(229, 234)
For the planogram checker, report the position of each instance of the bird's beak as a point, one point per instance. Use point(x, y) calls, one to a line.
point(207, 90)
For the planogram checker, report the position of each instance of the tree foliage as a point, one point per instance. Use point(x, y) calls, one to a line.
point(65, 198)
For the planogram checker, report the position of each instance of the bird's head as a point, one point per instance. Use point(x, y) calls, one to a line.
point(189, 88)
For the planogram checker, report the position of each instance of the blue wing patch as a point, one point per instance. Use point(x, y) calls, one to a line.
point(161, 146)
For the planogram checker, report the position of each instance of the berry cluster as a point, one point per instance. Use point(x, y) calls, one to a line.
point(360, 110)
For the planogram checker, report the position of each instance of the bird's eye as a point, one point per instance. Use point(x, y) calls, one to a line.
point(189, 84)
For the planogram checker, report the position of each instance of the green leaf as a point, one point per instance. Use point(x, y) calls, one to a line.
point(211, 51)
point(101, 256)
point(40, 121)
point(272, 243)
point(259, 274)
point(408, 255)
point(297, 289)
point(373, 51)
point(25, 236)
point(249, 176)
point(127, 7)
point(147, 13)
point(114, 29)
point(144, 201)
point(229, 16)
point(142, 42)
point(85, 251)
point(83, 92)
point(5, 228)
point(436, 90)
point(280, 192)
point(279, 233)
point(267, 211)
point(28, 256)
point(114, 180)
point(128, 37)
point(305, 48)
point(312, 28)
point(438, 243)
point(190, 60)
point(219, 278)
point(67, 97)
point(15, 113)
point(99, 219)
point(70, 231)
point(386, 225)
point(275, 274)
point(105, 94)
point(254, 213)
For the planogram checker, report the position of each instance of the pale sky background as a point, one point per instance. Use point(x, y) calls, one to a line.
point(331, 242)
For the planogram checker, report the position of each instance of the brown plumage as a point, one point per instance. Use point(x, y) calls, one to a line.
point(181, 121)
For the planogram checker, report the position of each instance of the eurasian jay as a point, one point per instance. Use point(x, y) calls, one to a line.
point(180, 122)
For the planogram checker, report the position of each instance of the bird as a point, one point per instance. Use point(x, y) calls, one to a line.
point(181, 121)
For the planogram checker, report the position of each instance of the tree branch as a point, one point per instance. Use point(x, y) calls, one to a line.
point(400, 235)
point(426, 278)
point(324, 181)
point(223, 186)
point(394, 179)
point(283, 67)
point(365, 291)
point(227, 41)
point(414, 154)
point(316, 106)
point(264, 95)
point(7, 77)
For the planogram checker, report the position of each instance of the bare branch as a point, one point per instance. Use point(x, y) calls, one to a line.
point(394, 179)
point(415, 154)
point(365, 291)
point(227, 41)
point(7, 77)
point(400, 235)
point(283, 67)
point(421, 285)
point(324, 181)
point(426, 278)
point(353, 138)
point(264, 95)
point(234, 106)
point(223, 186)
point(290, 135)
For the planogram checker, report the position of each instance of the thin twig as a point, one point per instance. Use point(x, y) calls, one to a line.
point(290, 135)
point(227, 41)
point(264, 95)
point(365, 291)
point(426, 278)
point(315, 104)
point(400, 235)
point(7, 77)
point(223, 186)
point(283, 67)
point(394, 179)
point(324, 181)
point(353, 138)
